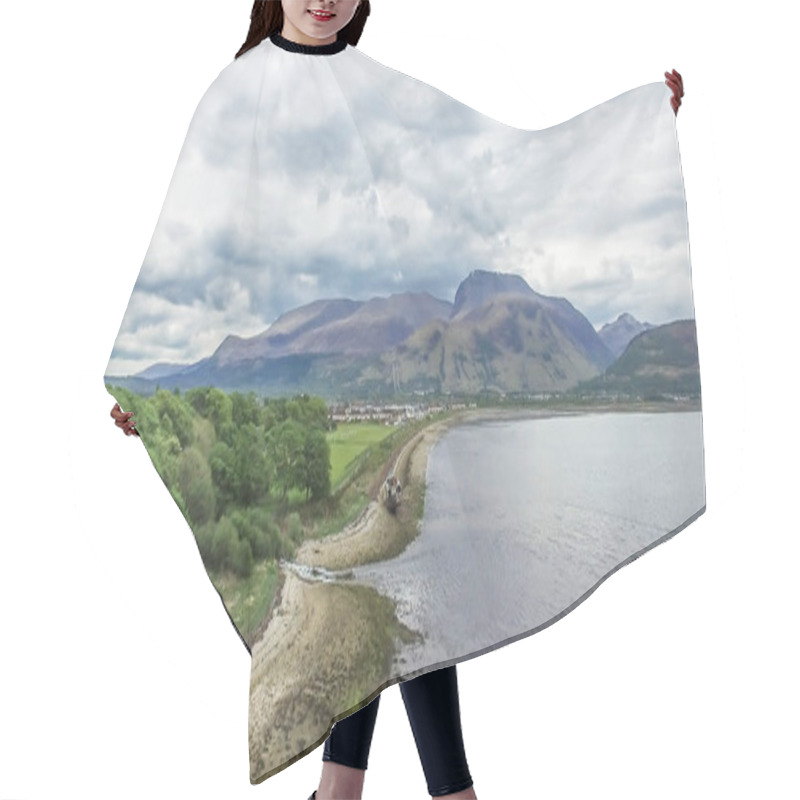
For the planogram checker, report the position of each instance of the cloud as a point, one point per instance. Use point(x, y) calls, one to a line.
point(307, 179)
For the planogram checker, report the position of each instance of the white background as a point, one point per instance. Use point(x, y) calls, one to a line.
point(120, 674)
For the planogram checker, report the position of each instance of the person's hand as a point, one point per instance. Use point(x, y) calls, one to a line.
point(122, 419)
point(675, 82)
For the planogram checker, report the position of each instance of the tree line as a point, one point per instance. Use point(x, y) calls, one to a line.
point(230, 460)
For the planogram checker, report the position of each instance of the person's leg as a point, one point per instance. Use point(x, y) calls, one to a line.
point(345, 755)
point(433, 710)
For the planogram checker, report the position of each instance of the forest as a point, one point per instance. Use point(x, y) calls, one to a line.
point(238, 466)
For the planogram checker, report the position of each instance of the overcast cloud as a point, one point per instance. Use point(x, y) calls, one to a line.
point(308, 177)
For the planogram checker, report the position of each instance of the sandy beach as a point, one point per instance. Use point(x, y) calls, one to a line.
point(304, 676)
point(301, 677)
point(329, 646)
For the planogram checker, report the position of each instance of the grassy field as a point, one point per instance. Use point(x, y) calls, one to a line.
point(349, 440)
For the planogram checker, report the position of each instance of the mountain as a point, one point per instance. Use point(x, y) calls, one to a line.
point(618, 334)
point(512, 342)
point(661, 360)
point(481, 285)
point(162, 369)
point(498, 335)
point(323, 327)
point(341, 326)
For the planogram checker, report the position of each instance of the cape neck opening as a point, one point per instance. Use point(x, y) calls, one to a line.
point(309, 49)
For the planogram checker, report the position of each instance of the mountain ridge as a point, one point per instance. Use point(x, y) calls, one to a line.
point(498, 335)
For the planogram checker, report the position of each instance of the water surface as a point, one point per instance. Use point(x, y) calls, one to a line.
point(524, 517)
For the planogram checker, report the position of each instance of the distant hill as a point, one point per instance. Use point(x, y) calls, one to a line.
point(617, 335)
point(661, 360)
point(160, 370)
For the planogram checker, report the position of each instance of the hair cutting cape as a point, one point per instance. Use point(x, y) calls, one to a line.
point(419, 381)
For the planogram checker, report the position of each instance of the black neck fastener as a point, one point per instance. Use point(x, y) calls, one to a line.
point(309, 49)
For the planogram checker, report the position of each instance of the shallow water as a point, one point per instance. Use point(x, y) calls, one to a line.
point(524, 517)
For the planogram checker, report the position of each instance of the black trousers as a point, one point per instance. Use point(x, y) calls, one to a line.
point(432, 705)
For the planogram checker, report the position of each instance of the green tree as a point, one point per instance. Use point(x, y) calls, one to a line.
point(316, 464)
point(216, 406)
point(222, 463)
point(285, 444)
point(204, 536)
point(175, 415)
point(308, 411)
point(204, 435)
point(269, 415)
point(294, 527)
point(223, 543)
point(196, 486)
point(245, 409)
point(253, 467)
point(248, 528)
point(241, 558)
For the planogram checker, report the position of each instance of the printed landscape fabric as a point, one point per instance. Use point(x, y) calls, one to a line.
point(418, 380)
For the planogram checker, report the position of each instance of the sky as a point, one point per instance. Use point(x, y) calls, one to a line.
point(309, 177)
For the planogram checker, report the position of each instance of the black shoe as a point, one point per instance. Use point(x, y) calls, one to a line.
point(313, 795)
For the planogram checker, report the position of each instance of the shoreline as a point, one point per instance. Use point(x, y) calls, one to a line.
point(299, 681)
point(377, 534)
